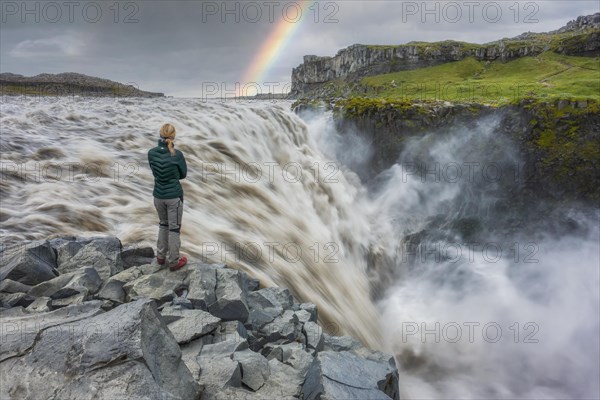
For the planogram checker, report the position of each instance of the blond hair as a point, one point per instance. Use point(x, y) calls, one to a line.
point(167, 132)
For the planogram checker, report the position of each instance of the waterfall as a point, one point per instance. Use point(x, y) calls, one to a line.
point(478, 292)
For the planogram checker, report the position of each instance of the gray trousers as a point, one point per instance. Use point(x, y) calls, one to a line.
point(170, 212)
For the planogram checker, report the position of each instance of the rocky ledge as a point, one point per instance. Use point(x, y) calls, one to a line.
point(557, 140)
point(68, 84)
point(84, 318)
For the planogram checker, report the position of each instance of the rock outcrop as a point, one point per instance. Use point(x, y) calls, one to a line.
point(68, 84)
point(581, 23)
point(89, 319)
point(541, 130)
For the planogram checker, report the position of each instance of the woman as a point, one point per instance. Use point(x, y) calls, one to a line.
point(168, 167)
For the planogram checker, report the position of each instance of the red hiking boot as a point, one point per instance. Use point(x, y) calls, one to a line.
point(160, 260)
point(181, 263)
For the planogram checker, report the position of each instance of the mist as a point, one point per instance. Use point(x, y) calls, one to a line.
point(489, 298)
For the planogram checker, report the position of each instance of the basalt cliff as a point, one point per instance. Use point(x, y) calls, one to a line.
point(321, 76)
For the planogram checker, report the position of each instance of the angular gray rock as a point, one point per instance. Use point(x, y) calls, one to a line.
point(12, 312)
point(18, 332)
point(15, 299)
point(225, 348)
point(113, 291)
point(314, 336)
point(113, 288)
point(201, 282)
point(69, 292)
point(133, 256)
point(78, 298)
point(390, 385)
point(284, 327)
point(187, 325)
point(148, 269)
point(303, 316)
point(253, 284)
point(230, 294)
point(293, 354)
point(311, 309)
point(30, 263)
point(271, 297)
point(230, 330)
point(66, 247)
point(41, 304)
point(259, 318)
point(58, 287)
point(273, 351)
point(10, 286)
point(216, 331)
point(344, 375)
point(254, 368)
point(340, 343)
point(285, 381)
point(219, 373)
point(125, 353)
point(108, 305)
point(183, 303)
point(218, 369)
point(190, 352)
point(103, 253)
point(155, 285)
point(267, 304)
point(133, 273)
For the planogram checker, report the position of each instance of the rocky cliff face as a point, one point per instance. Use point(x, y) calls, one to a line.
point(558, 141)
point(68, 84)
point(581, 23)
point(579, 37)
point(83, 318)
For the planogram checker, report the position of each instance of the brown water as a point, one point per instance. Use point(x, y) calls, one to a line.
point(278, 197)
point(259, 196)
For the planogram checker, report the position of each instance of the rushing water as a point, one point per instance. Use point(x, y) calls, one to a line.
point(408, 262)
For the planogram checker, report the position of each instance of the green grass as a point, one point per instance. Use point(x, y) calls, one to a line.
point(546, 76)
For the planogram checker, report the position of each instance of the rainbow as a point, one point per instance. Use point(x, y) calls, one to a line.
point(271, 48)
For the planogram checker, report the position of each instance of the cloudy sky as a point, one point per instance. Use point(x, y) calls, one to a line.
point(185, 48)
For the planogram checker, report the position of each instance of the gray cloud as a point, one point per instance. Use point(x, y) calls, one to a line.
point(178, 46)
point(54, 46)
